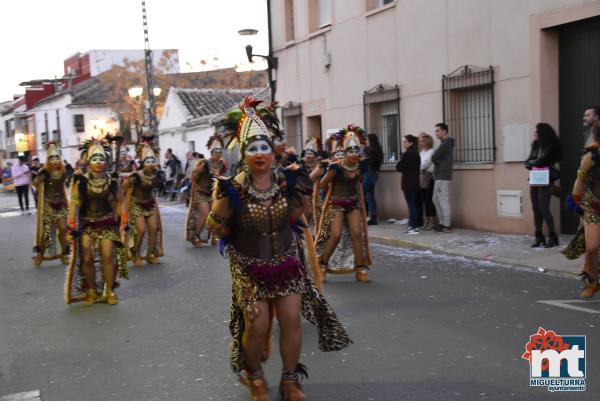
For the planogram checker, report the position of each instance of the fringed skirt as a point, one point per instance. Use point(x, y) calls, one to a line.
point(342, 260)
point(192, 217)
point(105, 228)
point(591, 215)
point(47, 243)
point(263, 280)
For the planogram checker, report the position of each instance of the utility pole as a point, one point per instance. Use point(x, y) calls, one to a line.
point(150, 106)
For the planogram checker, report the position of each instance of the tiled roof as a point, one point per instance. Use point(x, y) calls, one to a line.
point(89, 92)
point(204, 102)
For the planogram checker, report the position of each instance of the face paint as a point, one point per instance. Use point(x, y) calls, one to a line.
point(258, 147)
point(97, 163)
point(338, 154)
point(149, 160)
point(352, 152)
point(54, 158)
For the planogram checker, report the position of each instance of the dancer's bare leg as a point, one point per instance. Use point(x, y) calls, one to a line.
point(288, 310)
point(255, 334)
point(335, 233)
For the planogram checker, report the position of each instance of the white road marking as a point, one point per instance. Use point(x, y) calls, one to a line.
point(26, 396)
point(566, 303)
point(11, 214)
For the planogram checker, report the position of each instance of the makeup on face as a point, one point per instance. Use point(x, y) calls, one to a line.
point(258, 147)
point(97, 159)
point(352, 152)
point(338, 154)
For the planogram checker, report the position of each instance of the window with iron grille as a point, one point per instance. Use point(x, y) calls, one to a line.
point(79, 123)
point(468, 97)
point(382, 118)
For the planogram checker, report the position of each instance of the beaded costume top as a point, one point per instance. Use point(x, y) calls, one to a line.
point(96, 196)
point(262, 231)
point(143, 185)
point(343, 185)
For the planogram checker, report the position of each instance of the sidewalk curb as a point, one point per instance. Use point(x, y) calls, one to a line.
point(401, 243)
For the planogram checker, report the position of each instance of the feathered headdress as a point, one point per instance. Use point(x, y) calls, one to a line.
point(146, 149)
point(52, 149)
point(252, 122)
point(314, 145)
point(351, 137)
point(93, 147)
point(215, 143)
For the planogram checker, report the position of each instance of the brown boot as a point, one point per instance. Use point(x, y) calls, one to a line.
point(291, 390)
point(362, 275)
point(259, 390)
point(37, 261)
point(152, 259)
point(590, 289)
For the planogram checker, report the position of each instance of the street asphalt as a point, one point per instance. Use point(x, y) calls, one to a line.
point(429, 327)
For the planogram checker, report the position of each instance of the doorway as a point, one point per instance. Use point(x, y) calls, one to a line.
point(579, 88)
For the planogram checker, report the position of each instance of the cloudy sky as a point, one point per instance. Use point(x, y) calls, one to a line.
point(37, 35)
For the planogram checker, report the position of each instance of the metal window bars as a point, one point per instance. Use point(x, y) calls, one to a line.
point(468, 103)
point(382, 117)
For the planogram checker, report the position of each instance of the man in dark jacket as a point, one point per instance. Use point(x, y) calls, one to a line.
point(443, 159)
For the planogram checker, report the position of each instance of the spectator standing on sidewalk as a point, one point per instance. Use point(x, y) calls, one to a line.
point(22, 179)
point(172, 166)
point(410, 167)
point(374, 154)
point(443, 160)
point(35, 168)
point(545, 153)
point(426, 181)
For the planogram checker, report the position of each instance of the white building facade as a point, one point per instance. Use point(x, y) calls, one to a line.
point(490, 69)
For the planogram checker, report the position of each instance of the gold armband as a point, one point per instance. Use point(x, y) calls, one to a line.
point(582, 173)
point(215, 223)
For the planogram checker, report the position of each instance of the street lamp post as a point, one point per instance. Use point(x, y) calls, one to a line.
point(270, 58)
point(136, 93)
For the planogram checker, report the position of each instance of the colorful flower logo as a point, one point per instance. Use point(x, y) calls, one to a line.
point(544, 340)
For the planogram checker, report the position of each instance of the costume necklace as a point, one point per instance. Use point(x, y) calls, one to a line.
point(262, 195)
point(350, 168)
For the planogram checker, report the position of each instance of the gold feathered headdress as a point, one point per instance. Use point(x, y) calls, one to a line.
point(351, 137)
point(95, 147)
point(52, 149)
point(252, 122)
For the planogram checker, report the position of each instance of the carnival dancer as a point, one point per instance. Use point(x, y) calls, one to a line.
point(142, 209)
point(52, 209)
point(308, 164)
point(585, 200)
point(94, 213)
point(203, 174)
point(255, 212)
point(343, 213)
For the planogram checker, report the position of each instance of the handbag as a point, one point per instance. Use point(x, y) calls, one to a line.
point(425, 179)
point(539, 176)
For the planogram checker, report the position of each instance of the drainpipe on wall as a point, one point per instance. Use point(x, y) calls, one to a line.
point(271, 67)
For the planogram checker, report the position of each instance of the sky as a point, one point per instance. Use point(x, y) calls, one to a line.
point(39, 34)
